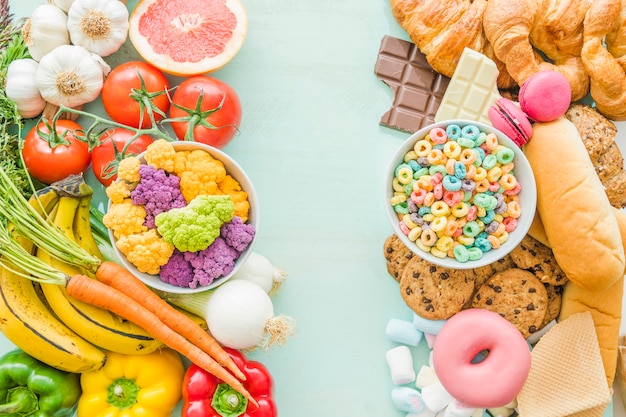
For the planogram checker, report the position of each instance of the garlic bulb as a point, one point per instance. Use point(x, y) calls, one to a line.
point(70, 75)
point(21, 87)
point(44, 30)
point(100, 26)
point(62, 4)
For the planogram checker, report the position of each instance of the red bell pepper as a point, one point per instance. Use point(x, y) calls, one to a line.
point(204, 395)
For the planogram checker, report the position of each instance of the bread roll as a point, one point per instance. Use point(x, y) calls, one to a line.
point(605, 305)
point(578, 218)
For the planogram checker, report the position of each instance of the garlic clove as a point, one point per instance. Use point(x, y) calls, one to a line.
point(44, 30)
point(21, 88)
point(62, 4)
point(70, 76)
point(100, 26)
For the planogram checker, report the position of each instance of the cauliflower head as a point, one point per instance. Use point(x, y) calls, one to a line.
point(237, 234)
point(231, 186)
point(194, 227)
point(199, 173)
point(157, 191)
point(128, 169)
point(146, 250)
point(125, 218)
point(160, 154)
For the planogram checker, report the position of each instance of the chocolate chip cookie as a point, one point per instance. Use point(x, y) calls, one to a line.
point(555, 295)
point(518, 296)
point(435, 292)
point(397, 255)
point(483, 273)
point(537, 258)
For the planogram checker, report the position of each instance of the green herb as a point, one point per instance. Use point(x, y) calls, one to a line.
point(12, 47)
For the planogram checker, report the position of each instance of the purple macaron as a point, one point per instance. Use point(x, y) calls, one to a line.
point(508, 118)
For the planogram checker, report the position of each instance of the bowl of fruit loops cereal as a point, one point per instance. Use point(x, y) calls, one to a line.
point(460, 194)
point(182, 216)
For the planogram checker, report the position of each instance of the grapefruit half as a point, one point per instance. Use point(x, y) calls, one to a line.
point(188, 37)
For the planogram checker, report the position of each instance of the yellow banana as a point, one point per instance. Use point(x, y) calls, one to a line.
point(92, 323)
point(29, 325)
point(44, 201)
point(82, 228)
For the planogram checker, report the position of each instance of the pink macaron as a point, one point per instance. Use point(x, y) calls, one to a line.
point(508, 118)
point(545, 96)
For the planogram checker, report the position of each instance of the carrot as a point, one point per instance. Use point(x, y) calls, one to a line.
point(121, 279)
point(101, 295)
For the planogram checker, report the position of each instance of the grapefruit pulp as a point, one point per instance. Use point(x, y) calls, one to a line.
point(188, 37)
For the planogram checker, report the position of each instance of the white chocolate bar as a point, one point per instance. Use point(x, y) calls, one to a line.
point(472, 89)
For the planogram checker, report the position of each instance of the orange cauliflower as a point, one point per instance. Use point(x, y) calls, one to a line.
point(160, 154)
point(124, 218)
point(230, 186)
point(127, 179)
point(199, 173)
point(128, 169)
point(146, 250)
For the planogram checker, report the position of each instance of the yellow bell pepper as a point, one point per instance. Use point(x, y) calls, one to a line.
point(147, 385)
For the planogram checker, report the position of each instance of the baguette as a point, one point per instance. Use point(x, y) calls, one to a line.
point(576, 213)
point(605, 305)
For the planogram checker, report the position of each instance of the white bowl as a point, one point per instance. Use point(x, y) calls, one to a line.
point(527, 197)
point(237, 172)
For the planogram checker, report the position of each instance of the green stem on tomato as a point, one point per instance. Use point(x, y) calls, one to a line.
point(98, 122)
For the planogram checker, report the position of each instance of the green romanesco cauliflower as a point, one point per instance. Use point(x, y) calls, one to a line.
point(194, 227)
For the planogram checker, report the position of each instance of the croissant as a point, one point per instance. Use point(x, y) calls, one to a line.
point(443, 29)
point(517, 29)
point(606, 65)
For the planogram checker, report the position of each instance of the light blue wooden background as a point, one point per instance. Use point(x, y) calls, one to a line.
point(311, 143)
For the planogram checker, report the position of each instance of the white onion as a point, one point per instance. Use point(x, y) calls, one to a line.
point(240, 315)
point(260, 270)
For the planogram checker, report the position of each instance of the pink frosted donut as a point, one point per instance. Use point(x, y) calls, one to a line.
point(498, 378)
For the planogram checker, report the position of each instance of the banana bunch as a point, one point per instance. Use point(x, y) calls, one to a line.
point(43, 319)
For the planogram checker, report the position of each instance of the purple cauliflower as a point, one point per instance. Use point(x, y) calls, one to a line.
point(177, 271)
point(157, 192)
point(237, 234)
point(211, 263)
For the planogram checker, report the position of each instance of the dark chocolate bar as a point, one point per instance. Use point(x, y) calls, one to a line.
point(417, 88)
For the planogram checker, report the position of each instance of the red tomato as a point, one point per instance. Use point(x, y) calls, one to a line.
point(106, 156)
point(213, 104)
point(48, 164)
point(122, 95)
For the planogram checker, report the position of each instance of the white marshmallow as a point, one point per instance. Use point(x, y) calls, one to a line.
point(425, 376)
point(400, 362)
point(436, 397)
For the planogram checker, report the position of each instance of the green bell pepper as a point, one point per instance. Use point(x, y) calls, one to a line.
point(30, 388)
